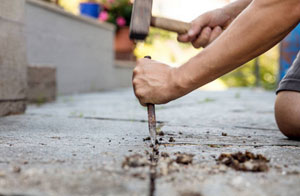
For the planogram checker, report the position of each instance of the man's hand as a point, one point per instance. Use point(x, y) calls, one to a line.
point(154, 82)
point(206, 28)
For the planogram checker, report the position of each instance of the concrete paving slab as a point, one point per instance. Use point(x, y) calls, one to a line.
point(240, 106)
point(76, 146)
point(69, 156)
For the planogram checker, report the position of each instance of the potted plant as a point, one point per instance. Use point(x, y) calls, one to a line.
point(118, 12)
point(90, 8)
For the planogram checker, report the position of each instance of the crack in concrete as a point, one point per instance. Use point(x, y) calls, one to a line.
point(228, 145)
point(118, 119)
point(152, 176)
point(256, 128)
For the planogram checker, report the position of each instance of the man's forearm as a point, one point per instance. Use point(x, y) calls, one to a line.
point(259, 27)
point(235, 8)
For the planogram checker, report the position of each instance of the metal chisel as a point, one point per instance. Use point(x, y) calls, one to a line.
point(151, 119)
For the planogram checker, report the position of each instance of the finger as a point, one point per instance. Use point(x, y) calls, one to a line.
point(142, 103)
point(194, 31)
point(203, 39)
point(183, 38)
point(140, 98)
point(216, 32)
point(197, 25)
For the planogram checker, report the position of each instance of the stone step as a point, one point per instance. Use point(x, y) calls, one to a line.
point(41, 84)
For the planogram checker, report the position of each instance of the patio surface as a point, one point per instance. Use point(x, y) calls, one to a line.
point(76, 146)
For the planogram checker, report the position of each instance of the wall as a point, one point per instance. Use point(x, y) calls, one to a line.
point(13, 63)
point(80, 48)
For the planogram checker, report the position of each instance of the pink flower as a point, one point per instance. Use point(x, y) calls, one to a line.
point(121, 21)
point(111, 1)
point(103, 16)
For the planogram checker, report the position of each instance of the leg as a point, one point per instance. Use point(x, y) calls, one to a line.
point(287, 113)
point(287, 106)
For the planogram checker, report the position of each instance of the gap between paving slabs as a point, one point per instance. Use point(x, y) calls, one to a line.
point(239, 161)
point(161, 163)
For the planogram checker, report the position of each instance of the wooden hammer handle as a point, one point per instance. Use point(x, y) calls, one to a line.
point(170, 25)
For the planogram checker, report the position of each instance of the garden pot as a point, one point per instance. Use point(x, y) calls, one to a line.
point(123, 45)
point(90, 9)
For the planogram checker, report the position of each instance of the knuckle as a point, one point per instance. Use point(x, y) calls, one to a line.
point(134, 82)
point(135, 71)
point(139, 93)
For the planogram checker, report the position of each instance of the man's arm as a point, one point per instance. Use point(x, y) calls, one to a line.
point(258, 28)
point(208, 26)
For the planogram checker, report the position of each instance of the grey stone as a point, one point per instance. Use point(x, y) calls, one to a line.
point(12, 10)
point(13, 62)
point(12, 107)
point(41, 84)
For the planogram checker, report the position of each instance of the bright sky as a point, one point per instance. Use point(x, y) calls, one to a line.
point(185, 10)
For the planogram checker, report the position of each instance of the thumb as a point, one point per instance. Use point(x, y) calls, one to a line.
point(196, 26)
point(194, 31)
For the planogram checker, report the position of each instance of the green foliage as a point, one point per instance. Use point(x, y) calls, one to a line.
point(117, 9)
point(245, 77)
point(207, 100)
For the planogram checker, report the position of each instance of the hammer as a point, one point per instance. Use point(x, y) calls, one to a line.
point(141, 19)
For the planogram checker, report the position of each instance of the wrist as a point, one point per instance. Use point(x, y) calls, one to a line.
point(178, 83)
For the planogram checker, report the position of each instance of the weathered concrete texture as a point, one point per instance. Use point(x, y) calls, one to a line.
point(80, 48)
point(41, 84)
point(12, 10)
point(13, 61)
point(76, 146)
point(66, 156)
point(12, 107)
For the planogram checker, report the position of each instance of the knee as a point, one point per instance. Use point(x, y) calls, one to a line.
point(287, 113)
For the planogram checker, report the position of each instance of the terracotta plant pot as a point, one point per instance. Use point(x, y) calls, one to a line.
point(123, 45)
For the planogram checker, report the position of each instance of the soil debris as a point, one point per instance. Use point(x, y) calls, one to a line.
point(2, 174)
point(164, 154)
point(157, 142)
point(146, 139)
point(16, 169)
point(184, 158)
point(224, 134)
point(214, 146)
point(161, 133)
point(139, 176)
point(180, 133)
point(136, 160)
point(171, 139)
point(244, 161)
point(190, 194)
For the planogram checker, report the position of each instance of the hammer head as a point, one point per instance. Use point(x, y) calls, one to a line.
point(140, 19)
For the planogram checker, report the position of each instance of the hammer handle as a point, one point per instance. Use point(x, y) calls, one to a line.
point(170, 25)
